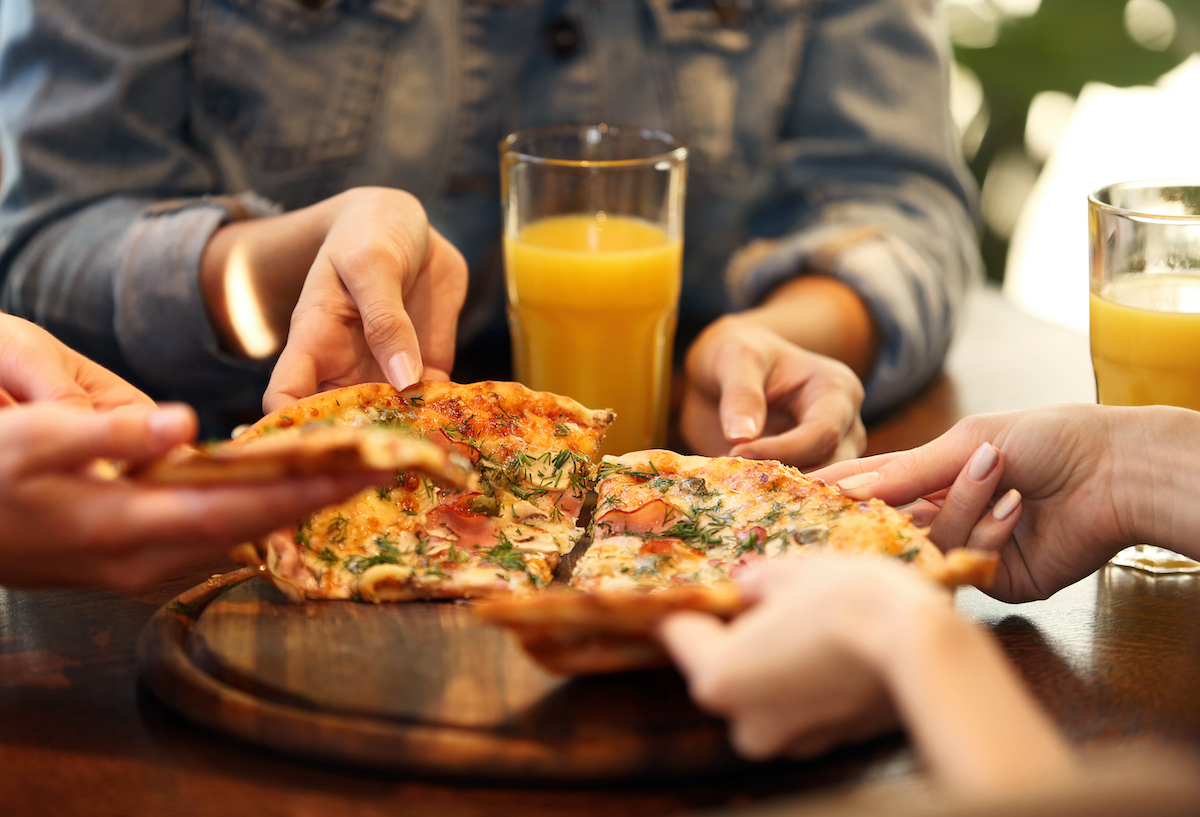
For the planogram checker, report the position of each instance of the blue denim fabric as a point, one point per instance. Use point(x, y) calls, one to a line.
point(130, 131)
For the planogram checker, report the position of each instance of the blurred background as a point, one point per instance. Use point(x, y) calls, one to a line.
point(1020, 69)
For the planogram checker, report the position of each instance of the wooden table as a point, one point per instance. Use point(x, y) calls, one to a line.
point(1116, 655)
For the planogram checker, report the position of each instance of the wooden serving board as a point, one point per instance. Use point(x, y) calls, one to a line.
point(421, 687)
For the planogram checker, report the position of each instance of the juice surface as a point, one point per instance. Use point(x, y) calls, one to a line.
point(1145, 334)
point(592, 304)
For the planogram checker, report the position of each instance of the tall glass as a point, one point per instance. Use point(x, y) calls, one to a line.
point(1145, 310)
point(593, 255)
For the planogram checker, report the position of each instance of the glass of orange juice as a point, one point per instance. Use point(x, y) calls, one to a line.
point(1145, 310)
point(593, 257)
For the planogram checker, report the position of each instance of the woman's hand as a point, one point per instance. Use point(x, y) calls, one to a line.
point(1074, 484)
point(751, 393)
point(788, 674)
point(60, 525)
point(360, 285)
point(838, 649)
point(37, 367)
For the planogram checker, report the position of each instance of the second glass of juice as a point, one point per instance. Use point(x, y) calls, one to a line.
point(593, 255)
point(1145, 310)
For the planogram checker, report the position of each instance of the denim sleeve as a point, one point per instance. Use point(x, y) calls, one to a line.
point(872, 188)
point(104, 208)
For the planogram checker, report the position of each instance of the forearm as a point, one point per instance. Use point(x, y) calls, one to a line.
point(972, 721)
point(252, 272)
point(822, 315)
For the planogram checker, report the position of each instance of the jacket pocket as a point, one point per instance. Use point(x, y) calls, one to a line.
point(292, 83)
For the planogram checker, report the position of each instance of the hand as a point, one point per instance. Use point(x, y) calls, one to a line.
point(37, 367)
point(790, 674)
point(838, 649)
point(751, 393)
point(59, 525)
point(1057, 515)
point(360, 284)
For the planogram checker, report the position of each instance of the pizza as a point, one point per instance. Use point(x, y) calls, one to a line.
point(664, 520)
point(670, 532)
point(416, 538)
point(307, 450)
point(573, 633)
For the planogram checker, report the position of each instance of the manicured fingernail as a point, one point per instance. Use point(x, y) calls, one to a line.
point(741, 428)
point(1007, 504)
point(982, 462)
point(171, 424)
point(402, 370)
point(858, 482)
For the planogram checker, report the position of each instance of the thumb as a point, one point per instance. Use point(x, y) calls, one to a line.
point(741, 375)
point(691, 637)
point(60, 438)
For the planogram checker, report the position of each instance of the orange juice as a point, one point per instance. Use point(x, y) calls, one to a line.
point(592, 303)
point(1146, 341)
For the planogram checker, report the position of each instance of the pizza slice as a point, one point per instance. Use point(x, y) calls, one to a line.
point(669, 533)
point(664, 520)
point(308, 450)
point(414, 538)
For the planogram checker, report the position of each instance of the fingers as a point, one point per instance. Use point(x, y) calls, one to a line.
point(211, 518)
point(741, 373)
point(968, 499)
point(993, 532)
point(833, 474)
point(829, 427)
point(919, 472)
point(691, 638)
point(294, 377)
point(63, 439)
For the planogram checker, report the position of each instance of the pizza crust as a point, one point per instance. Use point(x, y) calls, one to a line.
point(576, 633)
point(307, 451)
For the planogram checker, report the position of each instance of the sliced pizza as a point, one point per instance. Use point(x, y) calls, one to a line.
point(669, 533)
point(414, 538)
point(308, 450)
point(664, 520)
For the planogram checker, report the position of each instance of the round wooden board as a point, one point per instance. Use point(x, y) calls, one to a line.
point(419, 687)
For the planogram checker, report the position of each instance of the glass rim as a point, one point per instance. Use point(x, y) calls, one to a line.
point(508, 151)
point(1094, 198)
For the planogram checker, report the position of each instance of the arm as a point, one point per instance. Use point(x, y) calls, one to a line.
point(873, 641)
point(877, 250)
point(875, 193)
point(95, 108)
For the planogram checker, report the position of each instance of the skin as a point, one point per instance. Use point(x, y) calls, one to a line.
point(879, 645)
point(781, 381)
point(359, 288)
point(356, 288)
point(1090, 480)
point(61, 414)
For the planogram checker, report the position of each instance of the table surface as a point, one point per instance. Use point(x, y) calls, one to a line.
point(1113, 656)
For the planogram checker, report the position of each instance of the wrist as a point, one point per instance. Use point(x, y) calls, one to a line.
point(252, 272)
point(1156, 475)
point(824, 315)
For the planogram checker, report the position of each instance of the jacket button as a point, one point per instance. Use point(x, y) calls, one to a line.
point(562, 37)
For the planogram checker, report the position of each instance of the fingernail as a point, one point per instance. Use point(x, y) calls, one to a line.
point(1007, 504)
point(741, 428)
point(982, 462)
point(171, 424)
point(402, 370)
point(858, 482)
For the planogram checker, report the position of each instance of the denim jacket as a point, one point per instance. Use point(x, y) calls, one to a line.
point(131, 131)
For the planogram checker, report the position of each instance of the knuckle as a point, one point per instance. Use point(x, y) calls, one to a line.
point(382, 325)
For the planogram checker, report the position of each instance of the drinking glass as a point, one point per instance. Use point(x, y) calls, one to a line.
point(1145, 310)
point(593, 255)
